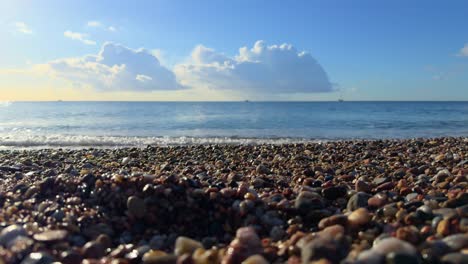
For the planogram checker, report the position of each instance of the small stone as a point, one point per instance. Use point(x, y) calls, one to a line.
point(125, 160)
point(456, 242)
point(391, 244)
point(333, 231)
point(358, 200)
point(443, 228)
point(94, 250)
point(105, 240)
point(370, 256)
point(262, 169)
point(10, 233)
point(307, 201)
point(455, 258)
point(255, 259)
point(246, 244)
point(203, 256)
point(360, 216)
point(324, 247)
point(71, 257)
point(462, 210)
point(185, 245)
point(332, 193)
point(411, 196)
point(277, 233)
point(389, 210)
point(408, 233)
point(362, 186)
point(51, 235)
point(136, 206)
point(158, 257)
point(377, 201)
point(401, 258)
point(380, 180)
point(337, 219)
point(38, 258)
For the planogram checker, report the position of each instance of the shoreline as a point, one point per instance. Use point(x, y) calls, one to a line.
point(77, 142)
point(348, 201)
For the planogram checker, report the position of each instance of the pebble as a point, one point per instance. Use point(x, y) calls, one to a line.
point(456, 242)
point(93, 250)
point(362, 186)
point(38, 258)
point(382, 201)
point(126, 160)
point(51, 235)
point(255, 259)
point(307, 201)
point(185, 245)
point(402, 258)
point(443, 228)
point(360, 216)
point(10, 233)
point(455, 258)
point(358, 200)
point(246, 244)
point(158, 257)
point(332, 193)
point(388, 245)
point(136, 206)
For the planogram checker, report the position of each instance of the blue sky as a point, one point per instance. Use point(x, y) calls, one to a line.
point(369, 50)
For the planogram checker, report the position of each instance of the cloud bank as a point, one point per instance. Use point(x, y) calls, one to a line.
point(274, 70)
point(262, 69)
point(79, 36)
point(116, 67)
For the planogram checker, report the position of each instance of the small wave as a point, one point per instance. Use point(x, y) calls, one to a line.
point(81, 141)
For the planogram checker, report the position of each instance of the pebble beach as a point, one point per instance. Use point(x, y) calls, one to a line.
point(379, 201)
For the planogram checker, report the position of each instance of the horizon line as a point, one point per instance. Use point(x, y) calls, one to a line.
point(224, 101)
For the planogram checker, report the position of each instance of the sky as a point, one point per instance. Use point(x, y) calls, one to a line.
point(171, 50)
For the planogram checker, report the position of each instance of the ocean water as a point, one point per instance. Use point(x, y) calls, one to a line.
point(119, 124)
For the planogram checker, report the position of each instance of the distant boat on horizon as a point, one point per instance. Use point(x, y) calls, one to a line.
point(340, 100)
point(246, 101)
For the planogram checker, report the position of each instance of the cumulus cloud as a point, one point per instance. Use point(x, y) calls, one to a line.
point(22, 28)
point(464, 51)
point(79, 36)
point(116, 67)
point(262, 69)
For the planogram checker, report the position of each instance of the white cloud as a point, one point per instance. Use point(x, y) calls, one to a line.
point(261, 69)
point(23, 28)
point(99, 24)
point(116, 67)
point(464, 51)
point(94, 24)
point(143, 78)
point(79, 36)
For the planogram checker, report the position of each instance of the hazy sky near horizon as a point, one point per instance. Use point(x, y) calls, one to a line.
point(243, 49)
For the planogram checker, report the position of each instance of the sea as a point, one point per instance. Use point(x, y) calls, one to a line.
point(139, 124)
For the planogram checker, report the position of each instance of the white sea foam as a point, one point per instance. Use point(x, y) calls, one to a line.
point(80, 141)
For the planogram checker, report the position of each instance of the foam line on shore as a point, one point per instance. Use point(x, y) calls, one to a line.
point(82, 141)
